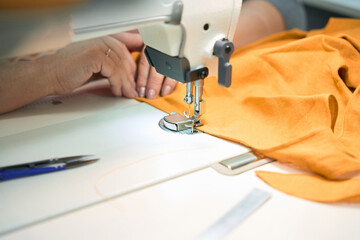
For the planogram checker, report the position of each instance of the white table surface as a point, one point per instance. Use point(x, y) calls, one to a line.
point(160, 184)
point(135, 153)
point(184, 207)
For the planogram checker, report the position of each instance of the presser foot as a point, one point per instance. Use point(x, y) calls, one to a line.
point(174, 122)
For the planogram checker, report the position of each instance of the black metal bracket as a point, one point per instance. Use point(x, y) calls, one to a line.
point(223, 50)
point(174, 67)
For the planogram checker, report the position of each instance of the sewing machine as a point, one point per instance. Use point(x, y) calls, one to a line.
point(186, 40)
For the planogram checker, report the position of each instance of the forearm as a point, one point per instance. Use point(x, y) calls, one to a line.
point(22, 83)
point(257, 19)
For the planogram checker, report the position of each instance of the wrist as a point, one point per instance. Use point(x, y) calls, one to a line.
point(21, 83)
point(47, 75)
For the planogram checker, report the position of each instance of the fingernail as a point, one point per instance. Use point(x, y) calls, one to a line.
point(166, 90)
point(151, 94)
point(142, 92)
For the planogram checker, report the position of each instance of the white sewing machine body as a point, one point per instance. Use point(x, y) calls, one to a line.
point(178, 28)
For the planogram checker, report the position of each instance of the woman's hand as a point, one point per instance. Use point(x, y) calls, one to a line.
point(77, 63)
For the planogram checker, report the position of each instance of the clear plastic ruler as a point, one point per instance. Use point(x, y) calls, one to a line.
point(235, 216)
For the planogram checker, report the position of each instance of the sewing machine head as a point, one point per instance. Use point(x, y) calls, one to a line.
point(185, 49)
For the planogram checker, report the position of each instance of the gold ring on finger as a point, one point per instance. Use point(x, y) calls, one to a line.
point(108, 52)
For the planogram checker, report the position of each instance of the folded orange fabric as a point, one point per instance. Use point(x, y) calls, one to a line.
point(336, 191)
point(295, 98)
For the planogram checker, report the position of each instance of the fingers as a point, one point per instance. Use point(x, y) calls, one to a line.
point(150, 83)
point(124, 55)
point(142, 74)
point(168, 87)
point(125, 66)
point(108, 69)
point(80, 62)
point(154, 84)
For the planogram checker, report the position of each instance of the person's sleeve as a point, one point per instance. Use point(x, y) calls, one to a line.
point(293, 12)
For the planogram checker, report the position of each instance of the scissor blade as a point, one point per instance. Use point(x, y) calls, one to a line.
point(77, 161)
point(52, 161)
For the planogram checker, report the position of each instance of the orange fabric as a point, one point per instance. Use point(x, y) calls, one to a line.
point(295, 98)
point(336, 191)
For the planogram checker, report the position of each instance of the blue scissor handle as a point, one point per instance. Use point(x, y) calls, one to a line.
point(11, 174)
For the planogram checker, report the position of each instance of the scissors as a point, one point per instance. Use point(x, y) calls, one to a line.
point(45, 166)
